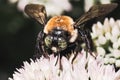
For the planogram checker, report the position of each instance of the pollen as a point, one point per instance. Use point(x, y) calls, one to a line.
point(63, 22)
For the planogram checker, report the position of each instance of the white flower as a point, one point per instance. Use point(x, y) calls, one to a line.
point(100, 51)
point(116, 53)
point(13, 1)
point(106, 38)
point(105, 1)
point(117, 63)
point(101, 40)
point(97, 30)
point(98, 72)
point(81, 68)
point(90, 3)
point(106, 60)
point(53, 7)
point(21, 4)
point(112, 60)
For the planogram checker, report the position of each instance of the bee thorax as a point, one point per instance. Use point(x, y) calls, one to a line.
point(63, 22)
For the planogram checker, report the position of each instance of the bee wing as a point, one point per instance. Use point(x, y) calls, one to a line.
point(36, 11)
point(94, 12)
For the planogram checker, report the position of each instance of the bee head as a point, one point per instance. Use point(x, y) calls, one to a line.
point(57, 39)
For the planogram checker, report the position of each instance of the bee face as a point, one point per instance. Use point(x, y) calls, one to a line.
point(56, 44)
point(57, 40)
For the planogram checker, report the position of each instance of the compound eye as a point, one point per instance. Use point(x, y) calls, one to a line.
point(48, 41)
point(62, 43)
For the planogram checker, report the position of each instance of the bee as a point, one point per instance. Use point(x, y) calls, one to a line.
point(61, 34)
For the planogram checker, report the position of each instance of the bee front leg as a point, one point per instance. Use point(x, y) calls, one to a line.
point(77, 50)
point(40, 47)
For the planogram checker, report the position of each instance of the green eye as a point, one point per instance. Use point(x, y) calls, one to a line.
point(62, 43)
point(48, 41)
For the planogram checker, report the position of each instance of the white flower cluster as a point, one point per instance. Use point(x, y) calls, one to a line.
point(90, 3)
point(82, 68)
point(53, 7)
point(106, 37)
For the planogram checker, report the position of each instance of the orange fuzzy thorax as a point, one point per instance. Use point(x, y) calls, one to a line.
point(63, 22)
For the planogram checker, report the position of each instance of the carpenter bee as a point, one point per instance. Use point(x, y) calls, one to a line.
point(61, 35)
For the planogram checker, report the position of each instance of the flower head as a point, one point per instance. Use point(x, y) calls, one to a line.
point(53, 7)
point(81, 68)
point(90, 3)
point(106, 37)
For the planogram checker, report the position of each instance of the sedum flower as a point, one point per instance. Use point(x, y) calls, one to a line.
point(105, 1)
point(90, 3)
point(53, 7)
point(12, 1)
point(106, 38)
point(84, 67)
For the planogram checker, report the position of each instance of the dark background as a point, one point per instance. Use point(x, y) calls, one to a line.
point(18, 35)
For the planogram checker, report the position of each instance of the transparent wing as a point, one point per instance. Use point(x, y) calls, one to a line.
point(94, 12)
point(36, 11)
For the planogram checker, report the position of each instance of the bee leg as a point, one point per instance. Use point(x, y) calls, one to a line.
point(76, 51)
point(38, 52)
point(39, 48)
point(85, 35)
point(58, 61)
